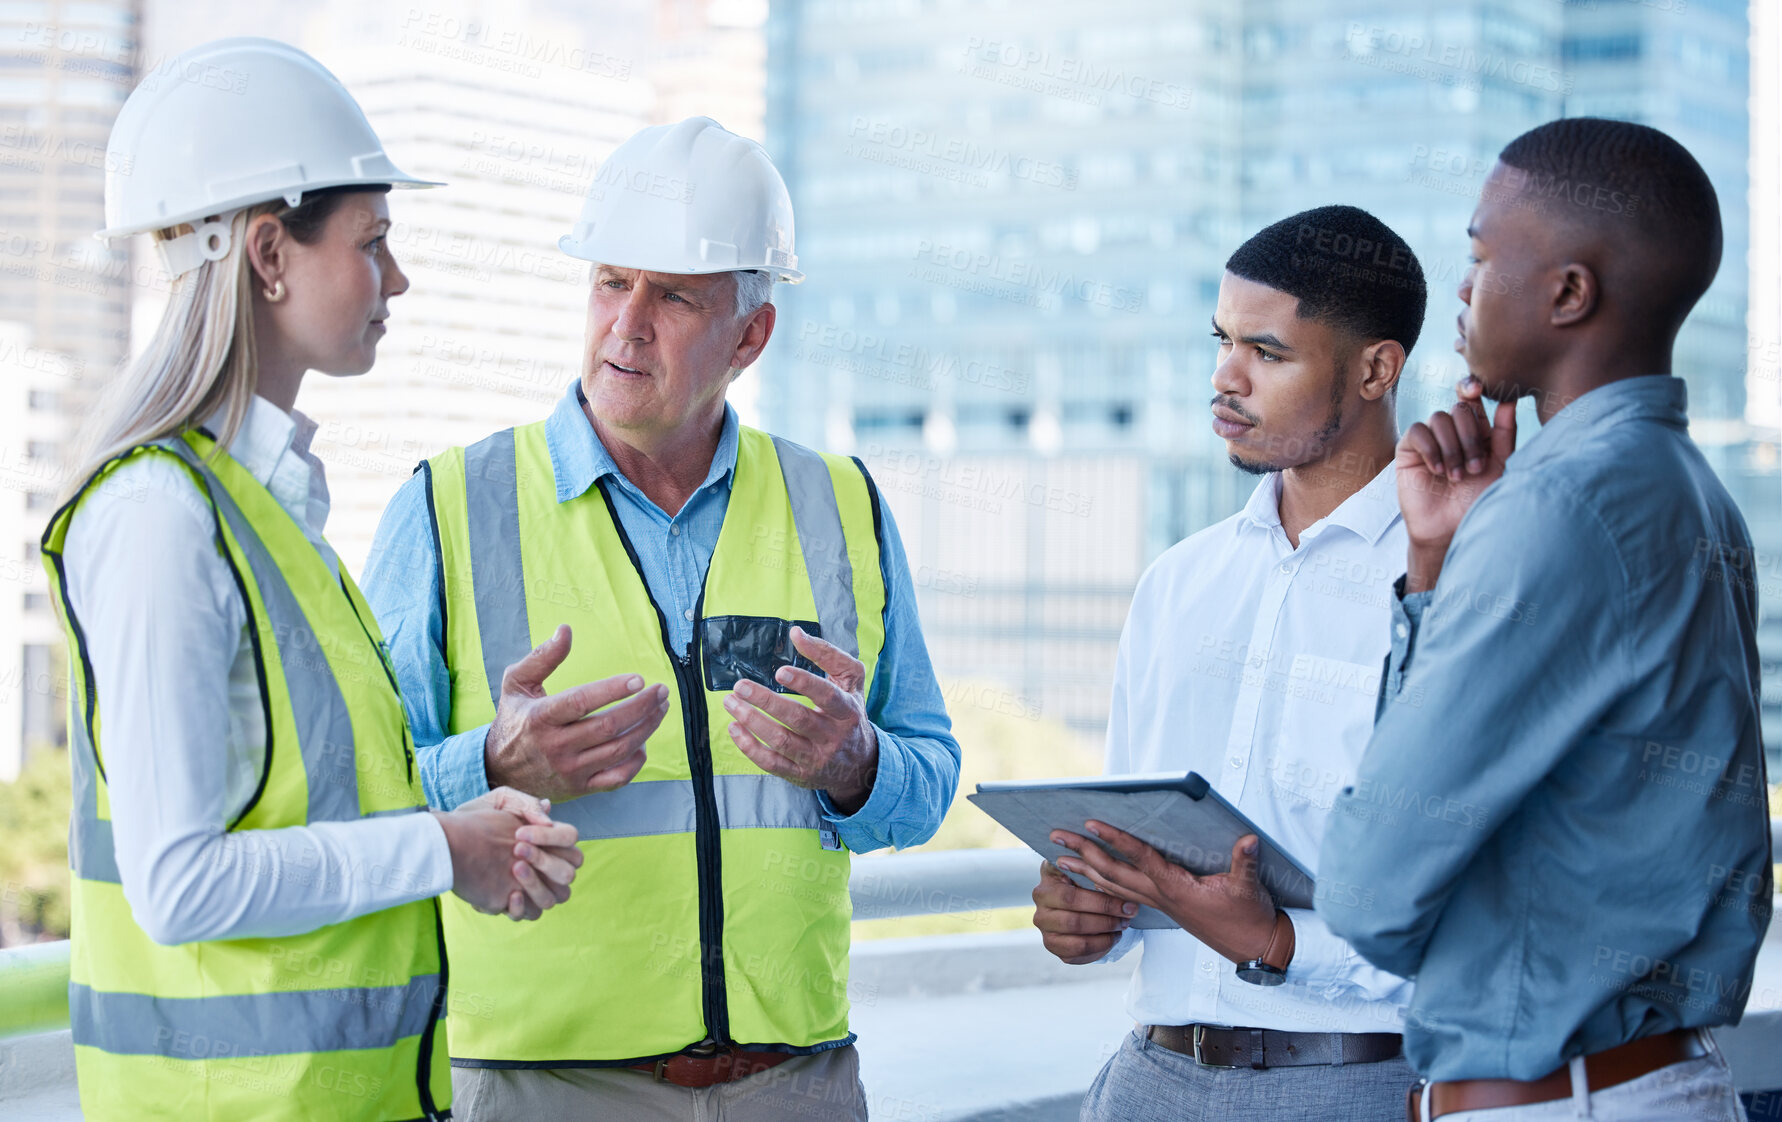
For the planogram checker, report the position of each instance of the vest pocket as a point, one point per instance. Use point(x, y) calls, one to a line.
point(732, 648)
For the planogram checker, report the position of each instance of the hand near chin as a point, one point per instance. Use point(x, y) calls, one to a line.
point(1444, 465)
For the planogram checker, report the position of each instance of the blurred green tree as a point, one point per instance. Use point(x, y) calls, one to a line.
point(34, 849)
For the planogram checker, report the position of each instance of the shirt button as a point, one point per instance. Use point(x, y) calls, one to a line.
point(1206, 967)
point(1401, 631)
point(1235, 762)
point(1286, 569)
point(688, 614)
point(675, 530)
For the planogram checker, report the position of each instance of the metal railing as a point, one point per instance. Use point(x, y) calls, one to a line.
point(34, 988)
point(952, 880)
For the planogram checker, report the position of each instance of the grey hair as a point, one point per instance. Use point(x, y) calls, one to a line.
point(753, 289)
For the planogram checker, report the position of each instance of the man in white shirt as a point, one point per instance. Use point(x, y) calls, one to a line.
point(1252, 655)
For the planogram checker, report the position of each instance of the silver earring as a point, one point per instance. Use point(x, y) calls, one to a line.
point(276, 292)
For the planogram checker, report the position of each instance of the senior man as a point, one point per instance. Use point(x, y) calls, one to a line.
point(742, 608)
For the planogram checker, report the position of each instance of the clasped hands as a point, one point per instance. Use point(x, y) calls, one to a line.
point(508, 856)
point(1231, 912)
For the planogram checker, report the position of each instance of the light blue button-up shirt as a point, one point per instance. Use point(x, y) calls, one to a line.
point(918, 769)
point(1560, 822)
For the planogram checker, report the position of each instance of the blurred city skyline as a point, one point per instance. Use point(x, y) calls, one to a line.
point(1013, 217)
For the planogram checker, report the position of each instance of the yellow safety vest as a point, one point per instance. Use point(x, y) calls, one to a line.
point(341, 1023)
point(713, 902)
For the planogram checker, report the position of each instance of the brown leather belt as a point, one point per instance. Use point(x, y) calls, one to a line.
point(1218, 1046)
point(1603, 1069)
point(720, 1065)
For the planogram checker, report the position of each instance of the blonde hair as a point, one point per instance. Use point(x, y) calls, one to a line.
point(201, 358)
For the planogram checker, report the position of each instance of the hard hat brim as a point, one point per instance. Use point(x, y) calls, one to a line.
point(405, 182)
point(780, 273)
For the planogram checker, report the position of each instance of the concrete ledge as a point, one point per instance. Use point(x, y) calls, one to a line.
point(37, 1078)
point(1021, 1053)
point(1061, 1108)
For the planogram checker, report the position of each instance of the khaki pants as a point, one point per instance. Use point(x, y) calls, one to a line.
point(823, 1087)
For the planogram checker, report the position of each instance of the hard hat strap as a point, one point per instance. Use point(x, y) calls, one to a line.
point(210, 240)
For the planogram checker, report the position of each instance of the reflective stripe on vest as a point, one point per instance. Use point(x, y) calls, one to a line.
point(822, 542)
point(665, 806)
point(340, 1022)
point(251, 1024)
point(492, 496)
point(713, 898)
point(491, 491)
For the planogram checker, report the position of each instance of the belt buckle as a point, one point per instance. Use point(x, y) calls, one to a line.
point(1255, 1060)
point(705, 1050)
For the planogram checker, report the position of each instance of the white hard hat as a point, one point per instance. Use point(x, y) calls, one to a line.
point(227, 125)
point(692, 197)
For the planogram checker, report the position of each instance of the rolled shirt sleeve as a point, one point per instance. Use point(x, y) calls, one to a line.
point(1494, 674)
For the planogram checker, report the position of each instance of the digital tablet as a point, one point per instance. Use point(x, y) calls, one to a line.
point(1177, 813)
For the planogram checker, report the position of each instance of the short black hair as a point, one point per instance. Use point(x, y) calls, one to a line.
point(1635, 181)
point(1346, 267)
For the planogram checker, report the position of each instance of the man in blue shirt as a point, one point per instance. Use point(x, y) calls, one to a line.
point(634, 474)
point(1562, 805)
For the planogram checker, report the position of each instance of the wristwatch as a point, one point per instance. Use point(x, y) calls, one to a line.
point(1271, 968)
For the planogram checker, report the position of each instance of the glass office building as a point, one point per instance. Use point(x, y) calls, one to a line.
point(1014, 221)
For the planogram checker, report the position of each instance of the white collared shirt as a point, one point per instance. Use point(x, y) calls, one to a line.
point(1257, 665)
point(184, 734)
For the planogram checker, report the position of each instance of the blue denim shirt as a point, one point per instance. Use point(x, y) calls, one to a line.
point(918, 758)
point(1560, 827)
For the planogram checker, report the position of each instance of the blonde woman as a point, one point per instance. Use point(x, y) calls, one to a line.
point(255, 929)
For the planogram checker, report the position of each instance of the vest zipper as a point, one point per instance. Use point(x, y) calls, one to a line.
point(706, 826)
point(714, 1000)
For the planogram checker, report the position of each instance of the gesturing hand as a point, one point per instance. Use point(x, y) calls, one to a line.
point(1077, 924)
point(832, 747)
point(548, 745)
point(1231, 912)
point(1444, 465)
